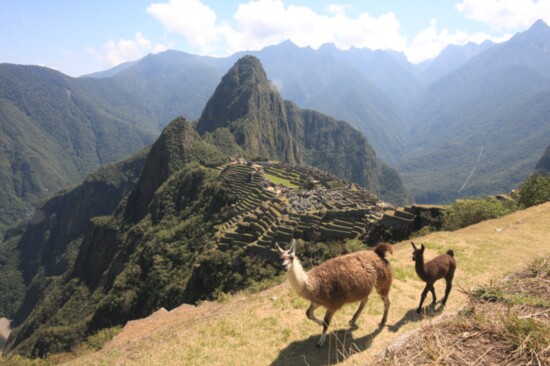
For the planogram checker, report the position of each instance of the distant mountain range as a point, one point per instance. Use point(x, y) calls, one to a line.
point(472, 121)
point(481, 128)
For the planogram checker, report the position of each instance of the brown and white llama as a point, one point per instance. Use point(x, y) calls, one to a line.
point(346, 279)
point(442, 266)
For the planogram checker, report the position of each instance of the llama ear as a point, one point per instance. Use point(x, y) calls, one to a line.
point(293, 247)
point(279, 248)
point(414, 246)
point(422, 247)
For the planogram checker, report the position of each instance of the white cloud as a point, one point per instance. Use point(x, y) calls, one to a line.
point(191, 19)
point(262, 23)
point(430, 42)
point(506, 14)
point(116, 52)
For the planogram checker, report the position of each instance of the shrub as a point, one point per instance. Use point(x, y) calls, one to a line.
point(534, 190)
point(471, 211)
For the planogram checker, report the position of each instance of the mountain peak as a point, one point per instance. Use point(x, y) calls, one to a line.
point(250, 107)
point(539, 25)
point(238, 95)
point(539, 31)
point(247, 70)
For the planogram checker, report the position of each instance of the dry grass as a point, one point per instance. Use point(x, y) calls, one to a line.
point(270, 328)
point(505, 324)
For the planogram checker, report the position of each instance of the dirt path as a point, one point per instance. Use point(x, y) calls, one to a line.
point(270, 328)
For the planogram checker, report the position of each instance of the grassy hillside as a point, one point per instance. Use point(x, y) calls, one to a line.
point(270, 328)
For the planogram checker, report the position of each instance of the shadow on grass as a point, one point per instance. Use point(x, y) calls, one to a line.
point(411, 316)
point(339, 345)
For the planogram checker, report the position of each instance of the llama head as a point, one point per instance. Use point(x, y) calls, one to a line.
point(417, 253)
point(287, 256)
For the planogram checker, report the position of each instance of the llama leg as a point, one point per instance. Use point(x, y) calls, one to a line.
point(358, 312)
point(448, 288)
point(311, 316)
point(422, 297)
point(432, 290)
point(326, 323)
point(387, 303)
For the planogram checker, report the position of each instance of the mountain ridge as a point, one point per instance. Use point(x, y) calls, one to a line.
point(495, 102)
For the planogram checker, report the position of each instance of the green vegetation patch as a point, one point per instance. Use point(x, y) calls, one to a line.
point(472, 211)
point(279, 180)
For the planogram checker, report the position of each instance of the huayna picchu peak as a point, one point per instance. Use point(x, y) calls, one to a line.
point(246, 103)
point(201, 219)
point(265, 126)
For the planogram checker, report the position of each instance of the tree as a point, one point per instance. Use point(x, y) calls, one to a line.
point(534, 190)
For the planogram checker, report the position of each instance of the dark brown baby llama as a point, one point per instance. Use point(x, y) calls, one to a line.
point(442, 266)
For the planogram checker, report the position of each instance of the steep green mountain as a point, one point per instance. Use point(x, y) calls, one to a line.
point(193, 224)
point(311, 78)
point(480, 129)
point(347, 85)
point(46, 245)
point(543, 165)
point(265, 126)
point(54, 130)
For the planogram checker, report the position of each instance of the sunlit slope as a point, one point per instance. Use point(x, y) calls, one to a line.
point(270, 328)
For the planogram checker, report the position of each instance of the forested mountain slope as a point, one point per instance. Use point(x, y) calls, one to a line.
point(480, 129)
point(54, 130)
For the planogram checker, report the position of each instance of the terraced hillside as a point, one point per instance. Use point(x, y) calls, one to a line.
point(277, 202)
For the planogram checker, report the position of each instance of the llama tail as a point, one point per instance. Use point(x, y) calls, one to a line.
point(382, 248)
point(451, 253)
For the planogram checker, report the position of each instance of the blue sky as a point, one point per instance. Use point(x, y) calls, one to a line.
point(79, 37)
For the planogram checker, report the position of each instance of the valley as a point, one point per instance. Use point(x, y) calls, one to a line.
point(424, 121)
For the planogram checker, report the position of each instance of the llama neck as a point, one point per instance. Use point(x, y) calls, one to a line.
point(419, 266)
point(297, 277)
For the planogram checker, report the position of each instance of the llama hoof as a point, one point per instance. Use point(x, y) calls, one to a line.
point(418, 310)
point(319, 345)
point(352, 324)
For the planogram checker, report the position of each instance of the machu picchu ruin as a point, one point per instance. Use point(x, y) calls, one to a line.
point(277, 202)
